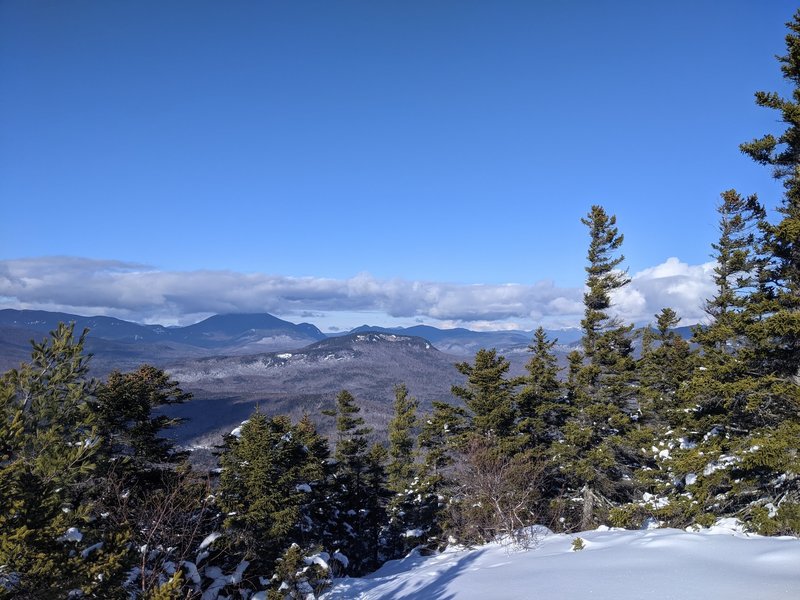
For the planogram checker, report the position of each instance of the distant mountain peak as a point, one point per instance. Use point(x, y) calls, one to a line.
point(378, 338)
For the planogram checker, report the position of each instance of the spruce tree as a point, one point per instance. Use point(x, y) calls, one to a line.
point(376, 547)
point(402, 469)
point(662, 369)
point(358, 492)
point(414, 505)
point(708, 426)
point(489, 396)
point(544, 408)
point(541, 401)
point(782, 153)
point(666, 361)
point(131, 433)
point(268, 484)
point(775, 334)
point(53, 543)
point(316, 471)
point(444, 434)
point(595, 455)
point(761, 386)
point(444, 430)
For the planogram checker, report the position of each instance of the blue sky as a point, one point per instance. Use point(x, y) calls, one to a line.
point(387, 162)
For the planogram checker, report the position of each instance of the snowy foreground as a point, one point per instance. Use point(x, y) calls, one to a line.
point(662, 564)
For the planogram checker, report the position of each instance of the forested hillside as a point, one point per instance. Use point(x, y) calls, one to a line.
point(96, 503)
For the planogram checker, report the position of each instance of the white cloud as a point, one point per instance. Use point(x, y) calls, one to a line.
point(672, 284)
point(137, 292)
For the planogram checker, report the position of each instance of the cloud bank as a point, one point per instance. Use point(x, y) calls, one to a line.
point(140, 293)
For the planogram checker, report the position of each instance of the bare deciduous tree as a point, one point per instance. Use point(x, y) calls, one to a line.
point(498, 497)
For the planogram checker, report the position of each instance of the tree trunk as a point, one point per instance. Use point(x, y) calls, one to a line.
point(588, 508)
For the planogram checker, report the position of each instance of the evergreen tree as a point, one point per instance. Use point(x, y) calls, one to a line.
point(142, 481)
point(414, 506)
point(722, 380)
point(595, 455)
point(402, 467)
point(489, 396)
point(735, 424)
point(443, 431)
point(268, 483)
point(131, 432)
point(696, 467)
point(774, 330)
point(541, 402)
point(358, 492)
point(299, 576)
point(662, 369)
point(667, 359)
point(749, 463)
point(376, 547)
point(783, 155)
point(317, 471)
point(543, 406)
point(52, 543)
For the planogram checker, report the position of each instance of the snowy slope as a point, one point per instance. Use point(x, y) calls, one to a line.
point(662, 564)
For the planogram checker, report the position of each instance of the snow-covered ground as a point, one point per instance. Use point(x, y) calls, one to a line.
point(659, 564)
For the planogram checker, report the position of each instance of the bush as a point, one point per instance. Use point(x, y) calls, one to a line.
point(497, 495)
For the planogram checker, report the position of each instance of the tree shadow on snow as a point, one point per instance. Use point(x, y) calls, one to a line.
point(437, 588)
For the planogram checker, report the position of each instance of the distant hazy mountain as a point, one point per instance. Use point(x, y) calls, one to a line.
point(122, 344)
point(247, 332)
point(465, 342)
point(107, 328)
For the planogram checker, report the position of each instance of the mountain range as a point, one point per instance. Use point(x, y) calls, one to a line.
point(119, 344)
point(236, 362)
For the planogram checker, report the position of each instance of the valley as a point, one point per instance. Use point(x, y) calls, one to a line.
point(233, 364)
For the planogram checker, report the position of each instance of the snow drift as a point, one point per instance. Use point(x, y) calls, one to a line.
point(666, 564)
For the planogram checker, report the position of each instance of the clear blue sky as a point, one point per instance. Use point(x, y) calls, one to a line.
point(456, 142)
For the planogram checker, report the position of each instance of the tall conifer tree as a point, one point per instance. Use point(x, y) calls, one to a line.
point(595, 455)
point(402, 468)
point(770, 411)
